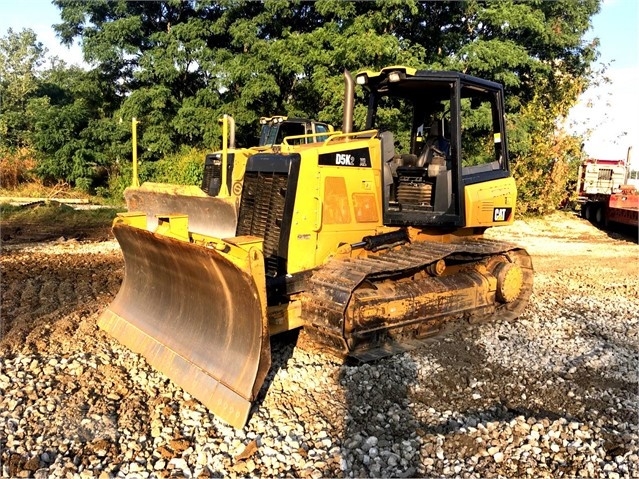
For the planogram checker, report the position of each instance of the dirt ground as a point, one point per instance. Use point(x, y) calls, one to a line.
point(34, 224)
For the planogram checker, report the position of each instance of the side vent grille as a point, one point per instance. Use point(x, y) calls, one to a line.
point(261, 212)
point(212, 181)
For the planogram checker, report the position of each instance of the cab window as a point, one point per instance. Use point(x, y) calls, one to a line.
point(481, 139)
point(320, 128)
point(290, 129)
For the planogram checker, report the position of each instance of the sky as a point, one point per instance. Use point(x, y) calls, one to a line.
point(608, 111)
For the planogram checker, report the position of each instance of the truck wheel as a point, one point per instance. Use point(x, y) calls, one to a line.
point(588, 212)
point(599, 215)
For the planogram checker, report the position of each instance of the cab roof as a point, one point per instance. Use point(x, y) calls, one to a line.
point(400, 77)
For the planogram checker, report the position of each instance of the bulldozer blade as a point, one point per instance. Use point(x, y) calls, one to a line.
point(210, 216)
point(196, 316)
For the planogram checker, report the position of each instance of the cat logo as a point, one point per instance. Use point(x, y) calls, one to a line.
point(501, 214)
point(344, 159)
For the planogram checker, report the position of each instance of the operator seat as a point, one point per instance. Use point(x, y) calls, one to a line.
point(434, 154)
point(430, 145)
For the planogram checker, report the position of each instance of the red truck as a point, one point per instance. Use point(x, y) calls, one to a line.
point(608, 192)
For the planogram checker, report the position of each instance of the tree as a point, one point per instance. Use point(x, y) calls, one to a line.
point(20, 57)
point(74, 127)
point(184, 64)
point(536, 50)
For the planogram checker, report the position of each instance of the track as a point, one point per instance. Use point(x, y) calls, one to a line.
point(332, 288)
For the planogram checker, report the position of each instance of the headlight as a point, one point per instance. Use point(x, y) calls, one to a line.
point(394, 77)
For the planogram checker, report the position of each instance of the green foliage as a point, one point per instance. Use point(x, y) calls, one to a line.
point(7, 209)
point(536, 50)
point(545, 157)
point(183, 168)
point(546, 169)
point(120, 178)
point(62, 115)
point(73, 126)
point(20, 56)
point(83, 184)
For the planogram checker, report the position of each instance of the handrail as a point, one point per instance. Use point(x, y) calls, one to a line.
point(305, 136)
point(354, 134)
point(333, 135)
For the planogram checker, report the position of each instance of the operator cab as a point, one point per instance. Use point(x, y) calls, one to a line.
point(450, 132)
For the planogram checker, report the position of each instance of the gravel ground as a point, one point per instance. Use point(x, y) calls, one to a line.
point(554, 394)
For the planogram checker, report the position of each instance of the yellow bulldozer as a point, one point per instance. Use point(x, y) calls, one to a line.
point(367, 244)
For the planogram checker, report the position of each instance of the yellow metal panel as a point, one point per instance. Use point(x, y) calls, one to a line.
point(285, 317)
point(371, 74)
point(336, 208)
point(136, 219)
point(491, 203)
point(359, 181)
point(174, 226)
point(239, 166)
point(365, 205)
point(325, 216)
point(307, 213)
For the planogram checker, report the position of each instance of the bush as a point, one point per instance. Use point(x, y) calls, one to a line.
point(16, 166)
point(84, 184)
point(545, 175)
point(120, 176)
point(183, 168)
point(545, 157)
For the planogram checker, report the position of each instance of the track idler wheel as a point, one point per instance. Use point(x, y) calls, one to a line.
point(510, 281)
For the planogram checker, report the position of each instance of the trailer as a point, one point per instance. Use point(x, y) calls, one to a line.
point(607, 192)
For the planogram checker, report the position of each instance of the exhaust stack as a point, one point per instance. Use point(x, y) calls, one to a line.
point(349, 101)
point(231, 131)
point(228, 142)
